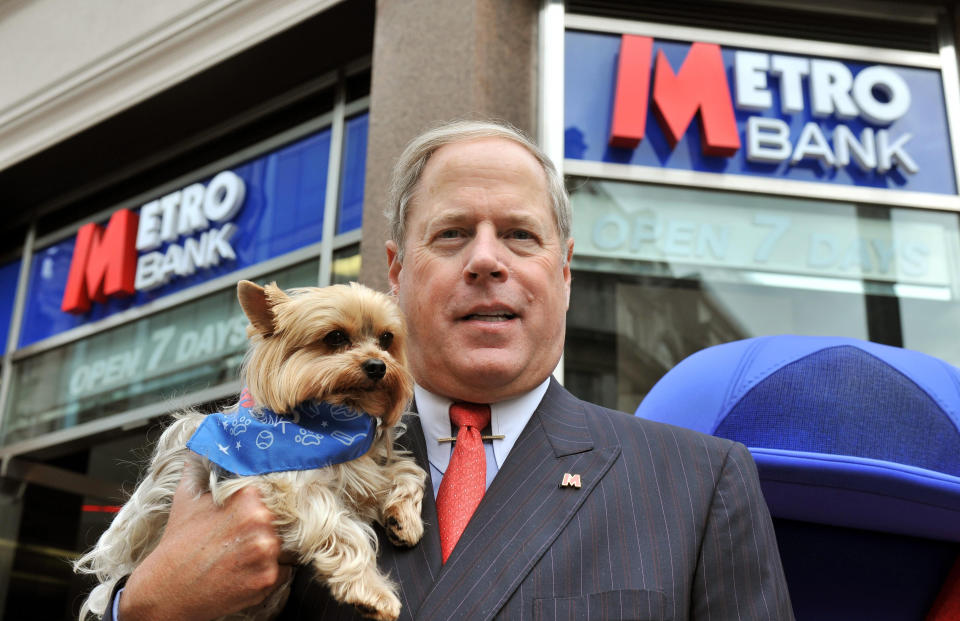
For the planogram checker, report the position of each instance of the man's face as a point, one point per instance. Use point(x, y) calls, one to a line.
point(483, 284)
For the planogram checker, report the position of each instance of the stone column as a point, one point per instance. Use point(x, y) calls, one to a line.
point(435, 61)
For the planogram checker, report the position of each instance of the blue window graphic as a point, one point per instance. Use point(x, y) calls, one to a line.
point(283, 211)
point(8, 293)
point(590, 85)
point(352, 175)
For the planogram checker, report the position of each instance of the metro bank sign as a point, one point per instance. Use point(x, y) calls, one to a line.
point(702, 107)
point(194, 233)
point(122, 258)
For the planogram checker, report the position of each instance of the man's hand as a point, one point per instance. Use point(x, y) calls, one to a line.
point(211, 561)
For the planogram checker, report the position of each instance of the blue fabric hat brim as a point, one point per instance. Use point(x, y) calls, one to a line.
point(860, 493)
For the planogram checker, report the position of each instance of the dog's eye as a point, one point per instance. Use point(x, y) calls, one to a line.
point(386, 339)
point(337, 338)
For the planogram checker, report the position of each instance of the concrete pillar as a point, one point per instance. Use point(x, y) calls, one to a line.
point(435, 61)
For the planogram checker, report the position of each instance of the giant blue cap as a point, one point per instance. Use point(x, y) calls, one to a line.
point(843, 431)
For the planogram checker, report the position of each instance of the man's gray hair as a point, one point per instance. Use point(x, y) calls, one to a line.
point(409, 168)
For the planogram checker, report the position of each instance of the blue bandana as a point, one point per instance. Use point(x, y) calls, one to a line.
point(256, 441)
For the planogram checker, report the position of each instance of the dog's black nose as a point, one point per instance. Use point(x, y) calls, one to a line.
point(374, 368)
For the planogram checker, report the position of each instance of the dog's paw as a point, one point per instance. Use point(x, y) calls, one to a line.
point(366, 589)
point(403, 524)
point(383, 607)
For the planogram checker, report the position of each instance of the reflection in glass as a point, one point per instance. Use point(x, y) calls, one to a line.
point(353, 174)
point(663, 272)
point(172, 353)
point(346, 265)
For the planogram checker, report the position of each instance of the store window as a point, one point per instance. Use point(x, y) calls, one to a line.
point(353, 174)
point(733, 179)
point(662, 272)
point(346, 265)
point(138, 306)
point(9, 272)
point(279, 209)
point(55, 517)
point(187, 348)
point(83, 393)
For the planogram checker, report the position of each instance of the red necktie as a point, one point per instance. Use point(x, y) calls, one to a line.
point(465, 480)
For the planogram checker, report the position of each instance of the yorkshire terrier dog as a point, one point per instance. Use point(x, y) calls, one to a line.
point(326, 383)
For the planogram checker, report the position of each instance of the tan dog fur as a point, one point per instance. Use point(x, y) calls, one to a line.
point(293, 358)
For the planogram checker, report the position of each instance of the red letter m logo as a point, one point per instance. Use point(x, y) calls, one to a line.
point(700, 85)
point(570, 480)
point(104, 262)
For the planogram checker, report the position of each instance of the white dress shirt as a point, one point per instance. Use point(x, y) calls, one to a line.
point(507, 418)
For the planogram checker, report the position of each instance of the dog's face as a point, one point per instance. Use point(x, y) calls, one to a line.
point(343, 344)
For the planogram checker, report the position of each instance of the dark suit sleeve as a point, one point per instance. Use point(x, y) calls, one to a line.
point(739, 575)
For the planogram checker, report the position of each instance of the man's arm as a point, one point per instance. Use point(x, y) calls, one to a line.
point(211, 561)
point(739, 575)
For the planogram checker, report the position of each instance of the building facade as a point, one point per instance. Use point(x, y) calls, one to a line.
point(737, 169)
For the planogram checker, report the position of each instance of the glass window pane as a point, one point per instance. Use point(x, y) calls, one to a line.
point(9, 274)
point(195, 345)
point(353, 174)
point(661, 273)
point(346, 265)
point(282, 211)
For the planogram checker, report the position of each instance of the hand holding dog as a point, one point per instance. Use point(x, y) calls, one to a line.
point(233, 560)
point(331, 363)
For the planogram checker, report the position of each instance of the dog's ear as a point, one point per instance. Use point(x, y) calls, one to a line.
point(257, 306)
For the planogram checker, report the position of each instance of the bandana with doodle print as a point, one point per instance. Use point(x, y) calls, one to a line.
point(256, 440)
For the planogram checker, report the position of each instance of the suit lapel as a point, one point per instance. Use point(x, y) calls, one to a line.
point(521, 514)
point(417, 568)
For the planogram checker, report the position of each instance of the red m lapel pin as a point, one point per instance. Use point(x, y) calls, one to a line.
point(570, 480)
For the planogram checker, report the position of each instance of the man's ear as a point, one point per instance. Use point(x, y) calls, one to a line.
point(257, 305)
point(566, 270)
point(393, 266)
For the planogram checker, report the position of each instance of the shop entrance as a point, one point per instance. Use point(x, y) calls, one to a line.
point(52, 509)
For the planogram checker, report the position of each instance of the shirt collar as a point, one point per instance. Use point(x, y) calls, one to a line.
point(507, 418)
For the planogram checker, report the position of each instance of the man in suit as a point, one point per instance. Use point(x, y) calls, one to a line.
point(587, 513)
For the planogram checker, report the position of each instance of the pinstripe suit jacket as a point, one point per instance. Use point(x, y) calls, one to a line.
point(668, 524)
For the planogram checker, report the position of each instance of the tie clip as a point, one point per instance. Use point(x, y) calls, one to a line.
point(495, 437)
